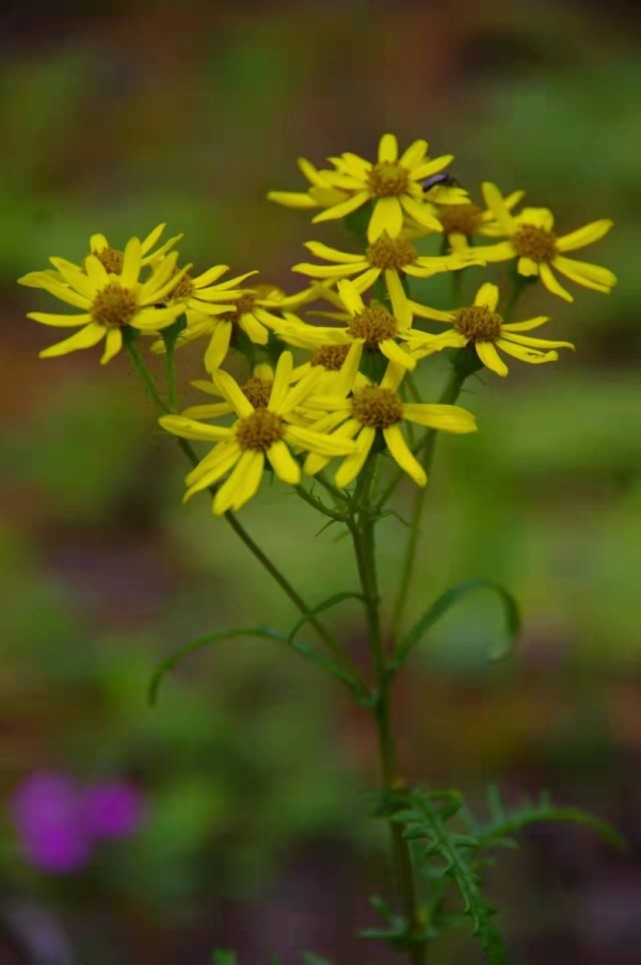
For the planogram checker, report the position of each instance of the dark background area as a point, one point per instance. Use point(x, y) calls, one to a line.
point(255, 771)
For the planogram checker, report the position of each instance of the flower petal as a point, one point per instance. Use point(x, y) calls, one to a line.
point(490, 358)
point(526, 354)
point(292, 199)
point(218, 345)
point(230, 390)
point(487, 296)
point(551, 283)
point(401, 306)
point(584, 236)
point(421, 212)
point(387, 149)
point(131, 263)
point(431, 167)
point(496, 204)
point(180, 425)
point(331, 254)
point(591, 276)
point(403, 456)
point(112, 346)
point(227, 455)
point(527, 325)
point(448, 418)
point(397, 354)
point(414, 154)
point(60, 321)
point(350, 297)
point(352, 465)
point(87, 337)
point(387, 216)
point(344, 208)
point(283, 463)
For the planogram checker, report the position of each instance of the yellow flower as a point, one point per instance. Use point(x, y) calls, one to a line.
point(480, 325)
point(392, 183)
point(460, 222)
point(531, 239)
point(390, 257)
point(379, 409)
point(320, 194)
point(251, 311)
point(371, 327)
point(111, 258)
point(108, 301)
point(257, 388)
point(258, 432)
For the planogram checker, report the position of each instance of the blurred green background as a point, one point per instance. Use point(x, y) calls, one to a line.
point(255, 770)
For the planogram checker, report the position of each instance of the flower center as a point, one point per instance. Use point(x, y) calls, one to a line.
point(111, 259)
point(183, 288)
point(244, 304)
point(462, 219)
point(260, 430)
point(478, 324)
point(258, 391)
point(331, 357)
point(374, 324)
point(376, 407)
point(386, 179)
point(113, 306)
point(531, 241)
point(391, 253)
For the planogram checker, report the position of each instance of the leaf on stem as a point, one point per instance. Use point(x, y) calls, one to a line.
point(267, 633)
point(450, 598)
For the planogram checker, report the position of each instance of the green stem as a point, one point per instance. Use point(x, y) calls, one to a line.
point(328, 639)
point(362, 529)
point(170, 368)
point(449, 395)
point(319, 506)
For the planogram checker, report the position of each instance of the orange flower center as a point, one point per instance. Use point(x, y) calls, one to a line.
point(531, 241)
point(462, 219)
point(259, 431)
point(478, 324)
point(377, 407)
point(331, 357)
point(391, 253)
point(258, 391)
point(111, 259)
point(374, 324)
point(113, 306)
point(387, 179)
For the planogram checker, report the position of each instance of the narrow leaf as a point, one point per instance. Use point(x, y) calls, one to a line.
point(450, 598)
point(327, 604)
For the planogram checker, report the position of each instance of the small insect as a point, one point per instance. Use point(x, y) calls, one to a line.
point(444, 180)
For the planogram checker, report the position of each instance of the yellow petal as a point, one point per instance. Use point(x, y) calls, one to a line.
point(152, 238)
point(331, 254)
point(584, 236)
point(490, 358)
point(112, 346)
point(218, 346)
point(344, 208)
point(292, 199)
point(539, 343)
point(421, 212)
point(432, 167)
point(539, 217)
point(591, 276)
point(227, 455)
point(352, 465)
point(87, 337)
point(402, 454)
point(387, 149)
point(179, 425)
point(496, 204)
point(487, 296)
point(448, 418)
point(526, 354)
point(387, 216)
point(282, 380)
point(526, 326)
point(284, 464)
point(230, 390)
point(528, 267)
point(131, 263)
point(60, 321)
point(551, 283)
point(395, 353)
point(400, 303)
point(350, 297)
point(414, 154)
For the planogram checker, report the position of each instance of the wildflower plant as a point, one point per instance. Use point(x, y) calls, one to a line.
point(336, 412)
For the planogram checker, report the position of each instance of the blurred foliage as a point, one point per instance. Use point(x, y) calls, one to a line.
point(190, 115)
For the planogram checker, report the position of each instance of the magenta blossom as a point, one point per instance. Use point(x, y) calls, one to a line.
point(59, 822)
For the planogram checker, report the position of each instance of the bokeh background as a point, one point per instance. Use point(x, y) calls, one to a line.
point(253, 770)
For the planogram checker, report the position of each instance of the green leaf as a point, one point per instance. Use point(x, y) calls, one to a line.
point(224, 958)
point(171, 334)
point(450, 598)
point(506, 823)
point(426, 819)
point(267, 633)
point(327, 604)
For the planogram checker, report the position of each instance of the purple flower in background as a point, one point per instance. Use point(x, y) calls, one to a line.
point(113, 809)
point(59, 822)
point(48, 816)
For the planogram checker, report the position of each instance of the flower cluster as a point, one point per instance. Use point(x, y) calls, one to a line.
point(352, 389)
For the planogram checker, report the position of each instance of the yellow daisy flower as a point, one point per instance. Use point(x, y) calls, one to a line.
point(481, 325)
point(111, 258)
point(372, 328)
point(461, 222)
point(379, 409)
point(393, 184)
point(390, 257)
point(258, 432)
point(251, 311)
point(257, 388)
point(532, 241)
point(320, 194)
point(108, 301)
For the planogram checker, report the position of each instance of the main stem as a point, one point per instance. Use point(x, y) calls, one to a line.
point(449, 395)
point(362, 530)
